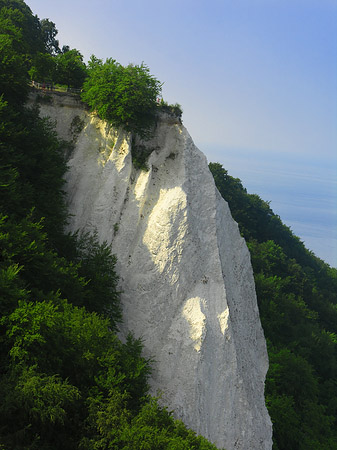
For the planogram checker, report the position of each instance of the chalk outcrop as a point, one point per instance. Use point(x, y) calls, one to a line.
point(184, 269)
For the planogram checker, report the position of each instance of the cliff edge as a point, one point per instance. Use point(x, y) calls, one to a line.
point(185, 272)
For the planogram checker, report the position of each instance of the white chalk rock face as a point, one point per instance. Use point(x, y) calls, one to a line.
point(185, 272)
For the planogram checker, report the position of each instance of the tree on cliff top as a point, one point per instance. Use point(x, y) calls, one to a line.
point(124, 96)
point(70, 68)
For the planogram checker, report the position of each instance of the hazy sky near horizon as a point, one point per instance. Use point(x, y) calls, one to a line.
point(257, 80)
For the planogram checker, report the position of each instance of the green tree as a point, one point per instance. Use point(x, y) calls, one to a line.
point(24, 46)
point(43, 67)
point(60, 357)
point(32, 167)
point(18, 14)
point(13, 61)
point(49, 33)
point(124, 96)
point(70, 69)
point(96, 264)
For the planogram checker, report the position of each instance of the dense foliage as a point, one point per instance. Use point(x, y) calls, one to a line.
point(29, 50)
point(66, 380)
point(124, 96)
point(70, 68)
point(297, 296)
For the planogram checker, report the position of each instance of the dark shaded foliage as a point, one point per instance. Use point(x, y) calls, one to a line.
point(70, 69)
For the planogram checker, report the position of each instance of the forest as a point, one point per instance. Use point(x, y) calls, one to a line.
point(66, 380)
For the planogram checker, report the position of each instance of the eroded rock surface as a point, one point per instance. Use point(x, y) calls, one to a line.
point(185, 271)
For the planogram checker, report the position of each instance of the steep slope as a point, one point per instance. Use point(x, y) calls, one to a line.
point(186, 275)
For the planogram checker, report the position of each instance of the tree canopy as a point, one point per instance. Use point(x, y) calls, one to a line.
point(70, 68)
point(49, 33)
point(124, 96)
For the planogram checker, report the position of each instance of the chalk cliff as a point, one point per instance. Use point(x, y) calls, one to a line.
point(184, 269)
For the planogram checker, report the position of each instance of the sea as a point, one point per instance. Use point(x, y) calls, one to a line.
point(302, 190)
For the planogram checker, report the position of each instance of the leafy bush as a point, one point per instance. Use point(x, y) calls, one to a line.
point(140, 154)
point(124, 96)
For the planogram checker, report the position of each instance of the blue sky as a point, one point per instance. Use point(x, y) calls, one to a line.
point(257, 80)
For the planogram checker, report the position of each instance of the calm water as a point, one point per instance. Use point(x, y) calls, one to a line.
point(302, 191)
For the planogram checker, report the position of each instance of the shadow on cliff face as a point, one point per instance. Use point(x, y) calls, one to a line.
point(163, 225)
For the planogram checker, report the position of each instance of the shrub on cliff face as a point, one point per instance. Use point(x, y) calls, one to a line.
point(124, 96)
point(173, 110)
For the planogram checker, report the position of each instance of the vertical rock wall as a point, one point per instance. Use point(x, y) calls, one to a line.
point(185, 272)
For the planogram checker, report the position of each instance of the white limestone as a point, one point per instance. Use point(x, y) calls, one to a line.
point(185, 272)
